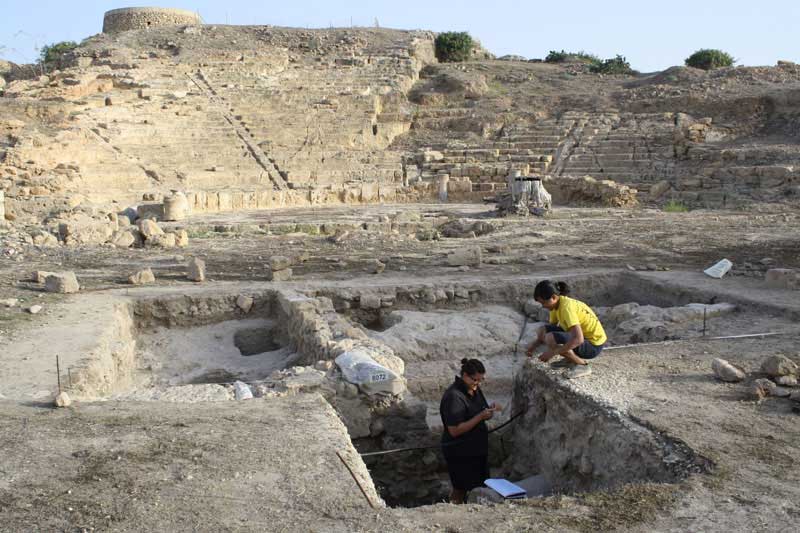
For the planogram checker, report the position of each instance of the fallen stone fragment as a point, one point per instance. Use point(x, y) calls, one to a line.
point(62, 400)
point(280, 275)
point(44, 239)
point(245, 303)
point(279, 262)
point(149, 228)
point(166, 240)
point(324, 366)
point(786, 381)
point(123, 239)
point(182, 238)
point(760, 389)
point(242, 391)
point(376, 267)
point(726, 371)
point(778, 365)
point(63, 283)
point(197, 270)
point(142, 277)
point(9, 302)
point(470, 256)
point(34, 309)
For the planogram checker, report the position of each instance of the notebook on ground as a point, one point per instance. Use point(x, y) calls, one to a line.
point(505, 488)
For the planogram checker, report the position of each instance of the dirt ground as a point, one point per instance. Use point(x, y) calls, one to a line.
point(112, 466)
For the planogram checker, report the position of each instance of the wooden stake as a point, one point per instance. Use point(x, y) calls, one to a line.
point(58, 374)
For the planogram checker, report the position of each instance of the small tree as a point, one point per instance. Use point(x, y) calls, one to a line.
point(52, 53)
point(616, 65)
point(709, 59)
point(453, 46)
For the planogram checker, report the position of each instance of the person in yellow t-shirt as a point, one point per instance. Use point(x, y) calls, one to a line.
point(574, 331)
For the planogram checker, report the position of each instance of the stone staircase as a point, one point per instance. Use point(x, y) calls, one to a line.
point(326, 122)
point(530, 150)
point(635, 150)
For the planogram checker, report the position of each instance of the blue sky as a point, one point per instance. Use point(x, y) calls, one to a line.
point(652, 35)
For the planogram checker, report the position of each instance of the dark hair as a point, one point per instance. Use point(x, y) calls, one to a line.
point(471, 367)
point(546, 289)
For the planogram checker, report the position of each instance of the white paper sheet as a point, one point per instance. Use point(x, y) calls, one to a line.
point(505, 488)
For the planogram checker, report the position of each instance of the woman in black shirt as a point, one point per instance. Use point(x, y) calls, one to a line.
point(465, 440)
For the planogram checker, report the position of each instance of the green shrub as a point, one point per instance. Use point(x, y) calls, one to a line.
point(709, 59)
point(51, 53)
point(674, 206)
point(453, 46)
point(616, 65)
point(560, 57)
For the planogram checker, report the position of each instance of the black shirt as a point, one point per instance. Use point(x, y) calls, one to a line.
point(458, 406)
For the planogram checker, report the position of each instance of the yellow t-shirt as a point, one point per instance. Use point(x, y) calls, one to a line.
point(570, 312)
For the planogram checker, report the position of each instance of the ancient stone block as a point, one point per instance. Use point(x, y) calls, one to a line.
point(279, 262)
point(63, 283)
point(726, 371)
point(196, 270)
point(149, 228)
point(245, 303)
point(470, 256)
point(142, 277)
point(778, 365)
point(280, 275)
point(181, 238)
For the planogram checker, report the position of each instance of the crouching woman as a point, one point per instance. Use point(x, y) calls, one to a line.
point(465, 439)
point(574, 333)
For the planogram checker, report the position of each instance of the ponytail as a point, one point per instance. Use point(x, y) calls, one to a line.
point(547, 289)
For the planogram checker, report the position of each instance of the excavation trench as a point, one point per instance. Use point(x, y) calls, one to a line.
point(566, 440)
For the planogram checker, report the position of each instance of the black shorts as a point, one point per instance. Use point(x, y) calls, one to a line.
point(466, 473)
point(587, 350)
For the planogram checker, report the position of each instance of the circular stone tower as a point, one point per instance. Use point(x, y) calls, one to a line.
point(137, 18)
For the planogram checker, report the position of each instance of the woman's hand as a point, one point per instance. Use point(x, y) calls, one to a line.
point(487, 413)
point(546, 356)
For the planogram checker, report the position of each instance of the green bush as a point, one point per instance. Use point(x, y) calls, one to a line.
point(616, 65)
point(709, 59)
point(453, 46)
point(560, 57)
point(51, 53)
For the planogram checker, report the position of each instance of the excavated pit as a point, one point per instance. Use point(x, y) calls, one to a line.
point(213, 339)
point(431, 328)
point(567, 437)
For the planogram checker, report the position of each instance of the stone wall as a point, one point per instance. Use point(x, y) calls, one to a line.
point(581, 444)
point(137, 18)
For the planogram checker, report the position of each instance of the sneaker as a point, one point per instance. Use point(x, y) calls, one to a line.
point(578, 371)
point(562, 363)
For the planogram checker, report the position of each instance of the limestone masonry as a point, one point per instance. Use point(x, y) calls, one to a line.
point(136, 18)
